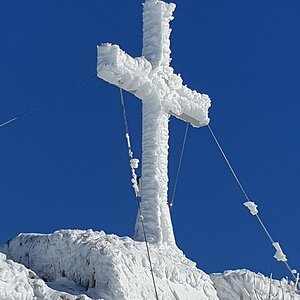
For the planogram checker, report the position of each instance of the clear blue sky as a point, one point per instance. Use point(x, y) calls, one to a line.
point(66, 165)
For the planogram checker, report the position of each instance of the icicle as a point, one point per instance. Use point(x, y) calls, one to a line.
point(252, 207)
point(279, 255)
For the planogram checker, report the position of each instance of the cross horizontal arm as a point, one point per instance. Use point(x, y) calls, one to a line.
point(190, 106)
point(118, 68)
point(179, 100)
point(139, 77)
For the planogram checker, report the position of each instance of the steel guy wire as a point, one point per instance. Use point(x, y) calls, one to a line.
point(46, 101)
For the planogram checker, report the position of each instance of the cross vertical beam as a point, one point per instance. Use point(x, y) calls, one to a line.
point(154, 181)
point(156, 32)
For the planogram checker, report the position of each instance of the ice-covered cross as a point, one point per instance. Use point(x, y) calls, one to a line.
point(151, 79)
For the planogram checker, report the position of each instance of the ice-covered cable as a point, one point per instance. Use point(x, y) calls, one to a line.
point(252, 207)
point(228, 163)
point(134, 164)
point(125, 118)
point(147, 247)
point(279, 255)
point(171, 204)
point(133, 161)
point(264, 228)
point(9, 121)
point(47, 101)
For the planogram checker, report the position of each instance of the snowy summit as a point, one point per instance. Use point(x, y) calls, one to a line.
point(85, 265)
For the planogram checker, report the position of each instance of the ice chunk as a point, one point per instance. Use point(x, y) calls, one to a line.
point(134, 163)
point(279, 255)
point(252, 207)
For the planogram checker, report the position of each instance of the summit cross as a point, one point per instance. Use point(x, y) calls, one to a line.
point(151, 79)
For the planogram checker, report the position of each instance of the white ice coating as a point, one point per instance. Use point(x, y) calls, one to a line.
point(157, 46)
point(139, 77)
point(20, 283)
point(151, 79)
point(90, 265)
point(108, 267)
point(252, 207)
point(279, 255)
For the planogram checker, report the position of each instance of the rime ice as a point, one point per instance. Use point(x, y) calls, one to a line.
point(84, 265)
point(104, 267)
point(151, 79)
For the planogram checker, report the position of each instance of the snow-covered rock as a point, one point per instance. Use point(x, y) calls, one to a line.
point(87, 265)
point(246, 285)
point(19, 283)
point(109, 267)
